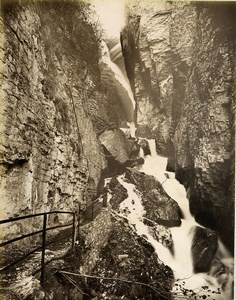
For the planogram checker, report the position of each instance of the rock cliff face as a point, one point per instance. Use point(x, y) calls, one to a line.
point(52, 110)
point(181, 62)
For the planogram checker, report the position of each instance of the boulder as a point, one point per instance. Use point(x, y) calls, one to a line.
point(135, 147)
point(134, 162)
point(142, 181)
point(204, 246)
point(119, 193)
point(163, 235)
point(161, 209)
point(223, 270)
point(145, 146)
point(116, 144)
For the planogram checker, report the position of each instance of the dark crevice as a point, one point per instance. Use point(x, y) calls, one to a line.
point(18, 163)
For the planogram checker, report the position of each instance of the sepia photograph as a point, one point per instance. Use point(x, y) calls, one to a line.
point(117, 149)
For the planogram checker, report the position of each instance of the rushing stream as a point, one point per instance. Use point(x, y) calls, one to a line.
point(189, 285)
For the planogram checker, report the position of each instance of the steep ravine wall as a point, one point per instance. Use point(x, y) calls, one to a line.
point(53, 108)
point(182, 74)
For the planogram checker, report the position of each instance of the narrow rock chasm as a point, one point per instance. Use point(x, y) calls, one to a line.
point(88, 111)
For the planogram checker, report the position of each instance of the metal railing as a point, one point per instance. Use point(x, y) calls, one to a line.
point(43, 232)
point(89, 211)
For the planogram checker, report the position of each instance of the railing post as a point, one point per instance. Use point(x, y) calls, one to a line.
point(43, 249)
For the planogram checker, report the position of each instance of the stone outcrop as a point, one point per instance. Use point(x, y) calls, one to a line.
point(116, 144)
point(117, 252)
point(145, 146)
point(162, 235)
point(183, 81)
point(223, 270)
point(161, 209)
point(204, 246)
point(53, 108)
point(142, 181)
point(118, 193)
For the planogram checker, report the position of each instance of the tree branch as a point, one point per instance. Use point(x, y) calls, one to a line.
point(115, 279)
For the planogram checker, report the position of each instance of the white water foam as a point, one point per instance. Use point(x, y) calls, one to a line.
point(130, 131)
point(118, 80)
point(188, 285)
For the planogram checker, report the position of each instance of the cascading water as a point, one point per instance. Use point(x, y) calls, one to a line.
point(188, 285)
point(112, 66)
point(112, 73)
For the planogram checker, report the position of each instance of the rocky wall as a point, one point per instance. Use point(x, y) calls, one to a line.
point(204, 136)
point(183, 80)
point(53, 107)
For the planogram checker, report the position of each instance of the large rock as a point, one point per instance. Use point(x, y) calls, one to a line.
point(142, 181)
point(223, 270)
point(118, 192)
point(204, 246)
point(145, 146)
point(131, 163)
point(152, 70)
point(116, 143)
point(161, 209)
point(118, 252)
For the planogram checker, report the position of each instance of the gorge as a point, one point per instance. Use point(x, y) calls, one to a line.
point(138, 99)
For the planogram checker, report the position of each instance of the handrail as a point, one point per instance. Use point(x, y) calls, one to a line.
point(34, 215)
point(29, 253)
point(32, 233)
point(91, 205)
point(43, 231)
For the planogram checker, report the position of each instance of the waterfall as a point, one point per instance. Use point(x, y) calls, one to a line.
point(111, 61)
point(113, 75)
point(188, 285)
point(181, 261)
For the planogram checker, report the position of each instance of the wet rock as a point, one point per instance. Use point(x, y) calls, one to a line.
point(163, 235)
point(223, 270)
point(170, 165)
point(145, 146)
point(142, 181)
point(161, 209)
point(134, 162)
point(118, 192)
point(116, 144)
point(204, 246)
point(135, 147)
